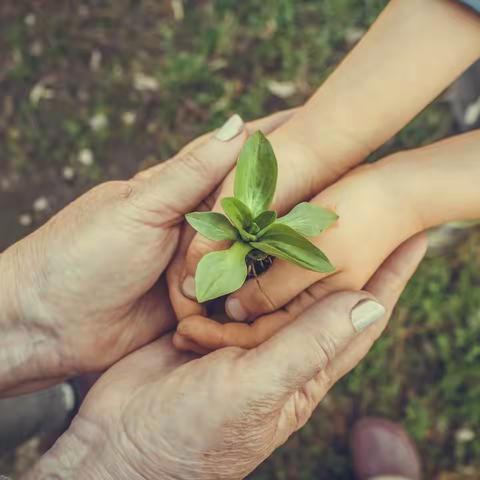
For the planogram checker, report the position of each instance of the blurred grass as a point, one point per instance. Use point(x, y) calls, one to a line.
point(129, 82)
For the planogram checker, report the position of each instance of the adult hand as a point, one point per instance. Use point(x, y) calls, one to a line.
point(84, 290)
point(160, 413)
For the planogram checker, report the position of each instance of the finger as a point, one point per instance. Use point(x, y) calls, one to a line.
point(185, 180)
point(266, 294)
point(212, 335)
point(184, 344)
point(179, 301)
point(265, 124)
point(270, 123)
point(304, 348)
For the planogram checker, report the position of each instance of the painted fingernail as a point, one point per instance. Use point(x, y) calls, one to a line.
point(230, 129)
point(235, 310)
point(188, 288)
point(365, 313)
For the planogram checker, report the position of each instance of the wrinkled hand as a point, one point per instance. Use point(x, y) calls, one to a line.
point(160, 413)
point(85, 287)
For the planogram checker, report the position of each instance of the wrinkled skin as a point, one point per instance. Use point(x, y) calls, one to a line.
point(86, 288)
point(161, 413)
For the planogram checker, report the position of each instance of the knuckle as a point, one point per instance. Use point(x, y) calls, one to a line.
point(232, 353)
point(319, 290)
point(143, 175)
point(193, 164)
point(261, 300)
point(393, 279)
point(126, 190)
point(325, 380)
point(106, 193)
point(325, 348)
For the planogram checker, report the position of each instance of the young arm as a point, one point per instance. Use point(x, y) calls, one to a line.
point(412, 52)
point(380, 206)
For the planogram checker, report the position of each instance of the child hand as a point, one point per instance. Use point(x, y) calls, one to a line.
point(380, 206)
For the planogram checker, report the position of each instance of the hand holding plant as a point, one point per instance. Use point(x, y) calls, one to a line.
point(255, 231)
point(380, 206)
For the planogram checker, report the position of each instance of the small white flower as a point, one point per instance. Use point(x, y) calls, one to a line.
point(96, 60)
point(282, 89)
point(36, 48)
point(464, 435)
point(85, 157)
point(40, 204)
point(5, 184)
point(30, 20)
point(472, 113)
point(17, 56)
point(128, 118)
point(40, 92)
point(98, 122)
point(68, 173)
point(144, 83)
point(25, 220)
point(178, 10)
point(353, 35)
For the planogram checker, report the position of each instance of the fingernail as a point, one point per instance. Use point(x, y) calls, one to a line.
point(188, 287)
point(230, 129)
point(235, 310)
point(365, 313)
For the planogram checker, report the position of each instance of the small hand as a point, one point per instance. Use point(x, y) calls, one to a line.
point(390, 76)
point(160, 413)
point(379, 206)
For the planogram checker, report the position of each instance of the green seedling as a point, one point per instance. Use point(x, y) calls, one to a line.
point(256, 232)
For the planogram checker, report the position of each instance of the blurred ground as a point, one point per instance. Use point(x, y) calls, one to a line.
point(94, 90)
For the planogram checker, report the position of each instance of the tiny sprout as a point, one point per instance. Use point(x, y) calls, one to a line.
point(256, 232)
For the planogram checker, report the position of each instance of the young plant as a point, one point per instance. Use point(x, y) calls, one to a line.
point(256, 232)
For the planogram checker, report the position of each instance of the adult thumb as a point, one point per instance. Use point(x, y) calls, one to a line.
point(180, 184)
point(302, 350)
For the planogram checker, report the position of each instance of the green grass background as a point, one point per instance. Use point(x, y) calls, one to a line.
point(218, 59)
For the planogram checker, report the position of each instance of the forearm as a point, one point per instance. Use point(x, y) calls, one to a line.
point(438, 183)
point(414, 50)
point(28, 353)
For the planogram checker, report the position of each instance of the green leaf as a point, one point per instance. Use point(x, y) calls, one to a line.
point(256, 174)
point(283, 242)
point(221, 273)
point(309, 219)
point(240, 215)
point(265, 219)
point(212, 225)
